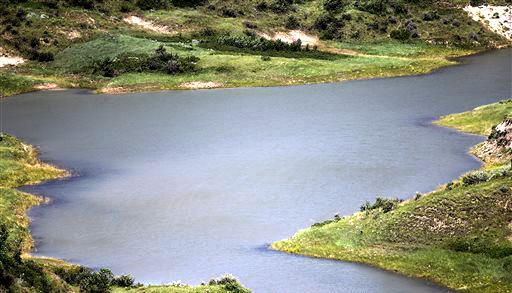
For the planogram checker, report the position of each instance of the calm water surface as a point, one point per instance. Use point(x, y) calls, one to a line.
point(189, 185)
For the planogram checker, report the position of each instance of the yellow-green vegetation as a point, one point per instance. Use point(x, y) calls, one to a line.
point(67, 41)
point(19, 166)
point(459, 236)
point(480, 120)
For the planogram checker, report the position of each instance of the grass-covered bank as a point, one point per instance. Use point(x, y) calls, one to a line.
point(459, 236)
point(96, 44)
point(20, 272)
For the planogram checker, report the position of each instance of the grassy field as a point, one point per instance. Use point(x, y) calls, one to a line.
point(459, 236)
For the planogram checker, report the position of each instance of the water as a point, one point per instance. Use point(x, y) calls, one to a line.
point(189, 185)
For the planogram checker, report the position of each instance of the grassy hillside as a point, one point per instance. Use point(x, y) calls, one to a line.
point(71, 42)
point(459, 236)
point(19, 272)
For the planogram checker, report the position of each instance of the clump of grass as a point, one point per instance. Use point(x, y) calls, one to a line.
point(11, 84)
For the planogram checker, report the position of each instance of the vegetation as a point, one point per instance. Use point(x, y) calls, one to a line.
point(480, 120)
point(68, 41)
point(19, 272)
point(458, 236)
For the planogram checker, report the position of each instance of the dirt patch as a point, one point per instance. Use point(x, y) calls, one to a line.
point(113, 90)
point(509, 238)
point(496, 18)
point(148, 25)
point(47, 86)
point(201, 85)
point(292, 36)
point(6, 59)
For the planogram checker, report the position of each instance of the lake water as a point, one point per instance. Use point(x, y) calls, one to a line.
point(189, 185)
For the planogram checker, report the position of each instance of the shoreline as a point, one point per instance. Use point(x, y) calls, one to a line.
point(50, 84)
point(395, 257)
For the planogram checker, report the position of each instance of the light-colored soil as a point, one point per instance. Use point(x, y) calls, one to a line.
point(292, 36)
point(201, 85)
point(47, 86)
point(496, 18)
point(6, 59)
point(135, 20)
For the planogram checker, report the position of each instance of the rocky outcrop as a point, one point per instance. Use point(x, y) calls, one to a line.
point(498, 146)
point(496, 18)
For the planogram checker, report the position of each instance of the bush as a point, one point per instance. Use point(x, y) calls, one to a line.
point(292, 22)
point(280, 6)
point(123, 281)
point(152, 4)
point(475, 177)
point(334, 5)
point(160, 61)
point(373, 6)
point(98, 282)
point(400, 34)
point(258, 44)
point(229, 283)
point(386, 204)
point(189, 3)
point(250, 25)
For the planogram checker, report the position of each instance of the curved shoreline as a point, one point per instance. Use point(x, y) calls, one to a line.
point(398, 257)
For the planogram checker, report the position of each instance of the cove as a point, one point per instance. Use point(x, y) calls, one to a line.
point(189, 185)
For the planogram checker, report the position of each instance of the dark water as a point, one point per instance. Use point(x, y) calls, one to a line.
point(189, 185)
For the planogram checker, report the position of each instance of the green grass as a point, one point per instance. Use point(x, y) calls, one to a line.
point(232, 67)
point(459, 236)
point(480, 120)
point(11, 84)
point(81, 56)
point(19, 166)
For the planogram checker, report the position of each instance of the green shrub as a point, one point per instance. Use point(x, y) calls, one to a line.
point(160, 61)
point(189, 3)
point(400, 34)
point(152, 4)
point(123, 281)
point(475, 177)
point(292, 22)
point(97, 282)
point(386, 204)
point(258, 44)
point(334, 5)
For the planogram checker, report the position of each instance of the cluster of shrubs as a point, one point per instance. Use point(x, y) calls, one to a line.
point(94, 282)
point(277, 6)
point(28, 46)
point(160, 61)
point(259, 43)
point(229, 283)
point(479, 176)
point(385, 204)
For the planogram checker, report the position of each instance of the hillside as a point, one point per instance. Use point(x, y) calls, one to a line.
point(458, 235)
point(110, 45)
